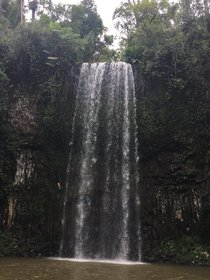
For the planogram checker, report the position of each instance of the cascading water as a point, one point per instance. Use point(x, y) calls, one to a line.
point(101, 207)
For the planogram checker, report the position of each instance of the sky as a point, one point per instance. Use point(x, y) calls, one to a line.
point(105, 9)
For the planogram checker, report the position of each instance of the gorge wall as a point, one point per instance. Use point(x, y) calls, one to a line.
point(174, 148)
point(37, 128)
point(174, 163)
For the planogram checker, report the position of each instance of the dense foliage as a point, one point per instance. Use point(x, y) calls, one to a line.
point(185, 250)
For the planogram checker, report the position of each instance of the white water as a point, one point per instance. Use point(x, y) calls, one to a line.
point(102, 207)
point(116, 261)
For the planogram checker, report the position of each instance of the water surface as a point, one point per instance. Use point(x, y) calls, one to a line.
point(45, 269)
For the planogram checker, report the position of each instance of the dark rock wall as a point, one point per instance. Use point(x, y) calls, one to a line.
point(40, 125)
point(174, 149)
point(174, 167)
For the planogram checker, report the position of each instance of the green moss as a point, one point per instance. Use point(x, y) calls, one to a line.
point(184, 250)
point(13, 244)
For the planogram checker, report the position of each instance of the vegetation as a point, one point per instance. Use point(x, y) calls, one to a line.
point(38, 66)
point(168, 45)
point(185, 250)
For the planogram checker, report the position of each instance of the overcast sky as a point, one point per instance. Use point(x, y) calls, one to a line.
point(105, 9)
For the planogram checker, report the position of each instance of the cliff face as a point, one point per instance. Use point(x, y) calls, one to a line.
point(37, 133)
point(174, 166)
point(175, 191)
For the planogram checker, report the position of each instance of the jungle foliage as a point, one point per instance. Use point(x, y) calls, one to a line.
point(169, 44)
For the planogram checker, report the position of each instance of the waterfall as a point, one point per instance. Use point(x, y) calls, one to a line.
point(101, 217)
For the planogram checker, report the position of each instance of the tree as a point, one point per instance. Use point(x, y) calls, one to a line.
point(85, 19)
point(11, 11)
point(147, 27)
point(81, 20)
